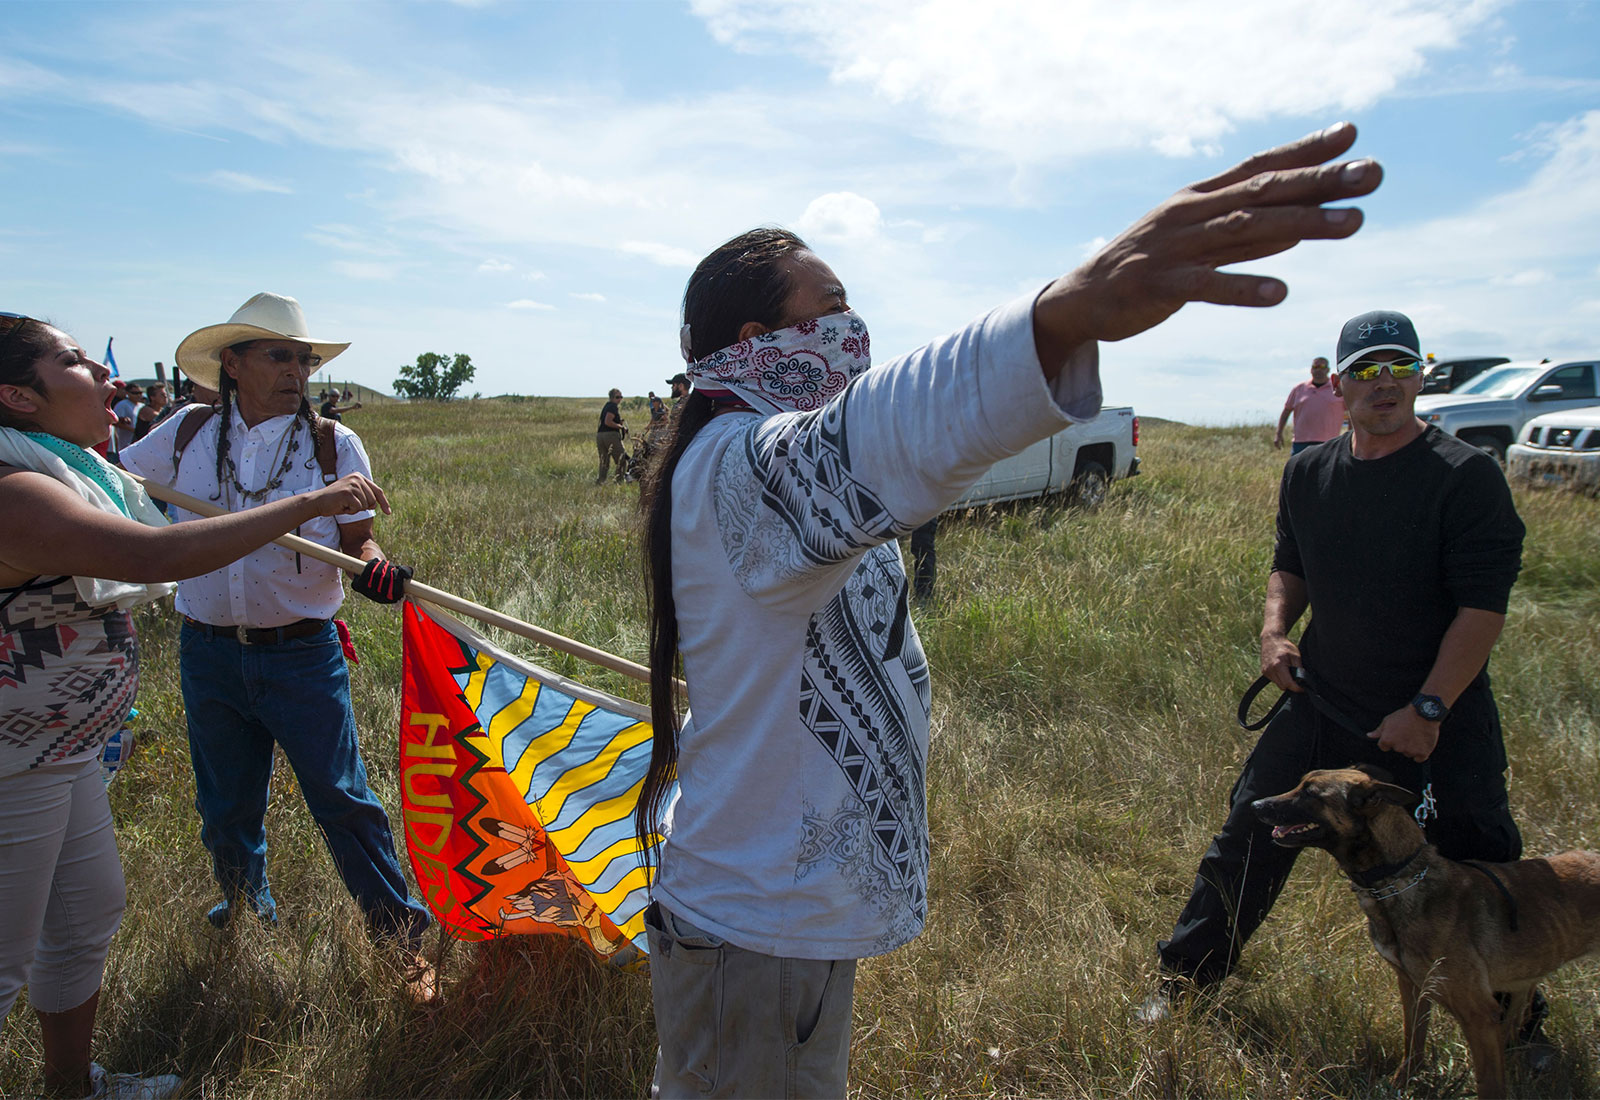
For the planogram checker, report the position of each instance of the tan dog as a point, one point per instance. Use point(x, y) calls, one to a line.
point(1453, 932)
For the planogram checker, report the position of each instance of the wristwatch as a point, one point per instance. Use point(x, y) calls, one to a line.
point(1430, 707)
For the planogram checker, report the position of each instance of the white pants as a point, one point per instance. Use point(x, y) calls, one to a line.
point(61, 888)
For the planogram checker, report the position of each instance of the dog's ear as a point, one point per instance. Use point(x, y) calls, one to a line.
point(1377, 791)
point(1382, 775)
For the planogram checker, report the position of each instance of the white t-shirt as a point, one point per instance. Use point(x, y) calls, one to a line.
point(271, 586)
point(800, 827)
point(129, 408)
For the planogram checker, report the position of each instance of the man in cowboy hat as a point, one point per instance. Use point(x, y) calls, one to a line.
point(261, 659)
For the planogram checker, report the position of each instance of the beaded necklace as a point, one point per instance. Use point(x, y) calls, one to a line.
point(287, 446)
point(87, 463)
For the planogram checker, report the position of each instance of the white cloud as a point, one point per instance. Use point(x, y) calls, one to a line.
point(588, 296)
point(1043, 79)
point(347, 238)
point(364, 270)
point(16, 150)
point(664, 254)
point(243, 183)
point(946, 119)
point(841, 216)
point(1529, 277)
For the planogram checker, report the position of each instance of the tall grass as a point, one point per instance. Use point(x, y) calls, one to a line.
point(1086, 669)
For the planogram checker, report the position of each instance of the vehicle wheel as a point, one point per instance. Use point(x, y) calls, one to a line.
point(1089, 487)
point(1487, 443)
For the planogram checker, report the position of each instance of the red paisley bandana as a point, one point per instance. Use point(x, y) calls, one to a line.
point(795, 369)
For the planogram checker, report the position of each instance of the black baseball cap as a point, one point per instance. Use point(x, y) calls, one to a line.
point(679, 377)
point(1379, 330)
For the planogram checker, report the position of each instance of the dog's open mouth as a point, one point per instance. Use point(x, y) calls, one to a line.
point(1293, 835)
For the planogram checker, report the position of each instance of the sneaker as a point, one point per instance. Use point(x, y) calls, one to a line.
point(1154, 1008)
point(130, 1086)
point(1171, 989)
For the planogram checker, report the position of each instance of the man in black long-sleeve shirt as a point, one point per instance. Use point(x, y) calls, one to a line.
point(1404, 543)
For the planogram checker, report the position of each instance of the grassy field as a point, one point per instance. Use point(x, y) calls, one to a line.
point(1086, 667)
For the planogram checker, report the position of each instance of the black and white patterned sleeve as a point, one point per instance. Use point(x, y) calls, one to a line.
point(800, 496)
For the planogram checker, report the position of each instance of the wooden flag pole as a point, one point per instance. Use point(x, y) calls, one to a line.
point(446, 600)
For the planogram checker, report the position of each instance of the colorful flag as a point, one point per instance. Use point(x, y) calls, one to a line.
point(110, 360)
point(518, 788)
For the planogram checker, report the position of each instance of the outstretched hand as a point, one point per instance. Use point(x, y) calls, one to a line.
point(350, 494)
point(1170, 257)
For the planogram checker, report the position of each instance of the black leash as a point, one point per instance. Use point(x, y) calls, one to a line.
point(1511, 902)
point(1302, 676)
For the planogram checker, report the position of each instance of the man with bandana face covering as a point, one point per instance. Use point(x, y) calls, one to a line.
point(791, 806)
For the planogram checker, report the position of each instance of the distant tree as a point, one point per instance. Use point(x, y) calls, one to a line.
point(434, 377)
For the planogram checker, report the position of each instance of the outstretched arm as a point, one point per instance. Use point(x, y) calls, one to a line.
point(835, 481)
point(1170, 257)
point(61, 534)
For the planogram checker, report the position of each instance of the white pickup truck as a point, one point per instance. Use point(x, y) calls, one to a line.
point(1490, 410)
point(1082, 459)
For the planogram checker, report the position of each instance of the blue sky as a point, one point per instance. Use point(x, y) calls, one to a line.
point(530, 183)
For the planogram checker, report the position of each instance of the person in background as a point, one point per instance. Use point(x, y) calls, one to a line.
point(152, 412)
point(790, 810)
point(331, 411)
point(127, 410)
point(81, 547)
point(260, 656)
point(1318, 412)
point(608, 438)
point(655, 432)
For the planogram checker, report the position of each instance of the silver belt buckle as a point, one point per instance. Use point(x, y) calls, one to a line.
point(243, 634)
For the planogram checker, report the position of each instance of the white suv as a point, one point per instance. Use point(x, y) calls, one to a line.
point(1559, 448)
point(1490, 410)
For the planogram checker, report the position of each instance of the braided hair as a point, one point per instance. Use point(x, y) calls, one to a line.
point(226, 388)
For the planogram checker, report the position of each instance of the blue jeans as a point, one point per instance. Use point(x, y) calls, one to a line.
point(241, 699)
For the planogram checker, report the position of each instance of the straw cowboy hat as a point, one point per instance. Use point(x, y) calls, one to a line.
point(264, 317)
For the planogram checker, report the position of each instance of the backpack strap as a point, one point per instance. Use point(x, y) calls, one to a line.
point(188, 428)
point(192, 422)
point(327, 450)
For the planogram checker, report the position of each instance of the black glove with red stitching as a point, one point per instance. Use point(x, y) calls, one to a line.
point(382, 581)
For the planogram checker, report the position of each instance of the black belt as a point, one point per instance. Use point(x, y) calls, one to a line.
point(265, 635)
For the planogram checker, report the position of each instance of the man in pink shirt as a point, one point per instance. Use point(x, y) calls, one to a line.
point(1318, 411)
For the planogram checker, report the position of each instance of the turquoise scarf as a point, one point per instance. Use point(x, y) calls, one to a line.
point(87, 463)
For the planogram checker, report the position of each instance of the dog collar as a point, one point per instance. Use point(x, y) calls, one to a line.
point(1368, 882)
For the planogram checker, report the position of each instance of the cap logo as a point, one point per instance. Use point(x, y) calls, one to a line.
point(1388, 328)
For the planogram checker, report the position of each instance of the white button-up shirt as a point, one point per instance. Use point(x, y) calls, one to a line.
point(272, 586)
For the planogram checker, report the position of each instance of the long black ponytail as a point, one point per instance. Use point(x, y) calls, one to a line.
point(746, 279)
